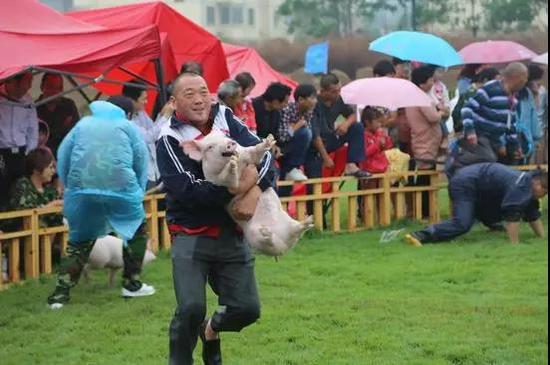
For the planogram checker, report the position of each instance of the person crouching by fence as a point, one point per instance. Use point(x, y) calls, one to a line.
point(103, 167)
point(490, 193)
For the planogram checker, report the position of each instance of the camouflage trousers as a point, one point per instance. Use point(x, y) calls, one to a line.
point(78, 254)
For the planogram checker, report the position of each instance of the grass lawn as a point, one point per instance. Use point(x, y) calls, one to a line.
point(336, 299)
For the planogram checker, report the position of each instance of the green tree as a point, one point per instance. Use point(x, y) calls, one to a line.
point(319, 18)
point(512, 14)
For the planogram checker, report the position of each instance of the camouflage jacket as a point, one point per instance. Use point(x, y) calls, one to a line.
point(25, 196)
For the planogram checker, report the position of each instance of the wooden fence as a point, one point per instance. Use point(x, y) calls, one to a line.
point(337, 204)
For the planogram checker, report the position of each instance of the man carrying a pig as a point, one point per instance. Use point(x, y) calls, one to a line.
point(206, 245)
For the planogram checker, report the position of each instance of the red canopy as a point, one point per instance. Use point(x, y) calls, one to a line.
point(240, 59)
point(32, 34)
point(189, 42)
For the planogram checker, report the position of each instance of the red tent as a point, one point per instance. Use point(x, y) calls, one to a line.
point(241, 59)
point(188, 41)
point(32, 34)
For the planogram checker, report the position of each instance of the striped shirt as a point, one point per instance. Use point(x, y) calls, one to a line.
point(491, 113)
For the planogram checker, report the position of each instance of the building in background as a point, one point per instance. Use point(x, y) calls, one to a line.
point(239, 20)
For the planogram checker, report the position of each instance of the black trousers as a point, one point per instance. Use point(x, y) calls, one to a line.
point(228, 266)
point(12, 167)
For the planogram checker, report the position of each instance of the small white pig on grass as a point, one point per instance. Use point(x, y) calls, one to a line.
point(271, 230)
point(107, 254)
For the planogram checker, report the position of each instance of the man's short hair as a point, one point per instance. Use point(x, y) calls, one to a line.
point(46, 76)
point(328, 80)
point(383, 68)
point(133, 92)
point(515, 69)
point(192, 67)
point(228, 89)
point(488, 74)
point(422, 74)
point(535, 72)
point(178, 81)
point(277, 92)
point(304, 91)
point(542, 176)
point(398, 61)
point(245, 79)
point(123, 103)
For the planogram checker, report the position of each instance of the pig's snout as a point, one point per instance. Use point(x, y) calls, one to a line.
point(230, 149)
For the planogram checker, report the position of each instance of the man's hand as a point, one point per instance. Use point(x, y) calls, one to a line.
point(472, 139)
point(300, 124)
point(248, 180)
point(343, 129)
point(502, 152)
point(328, 163)
point(512, 228)
point(245, 206)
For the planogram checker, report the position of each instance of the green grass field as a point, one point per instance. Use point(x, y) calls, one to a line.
point(336, 299)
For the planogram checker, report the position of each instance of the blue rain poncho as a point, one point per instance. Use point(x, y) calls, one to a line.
point(102, 164)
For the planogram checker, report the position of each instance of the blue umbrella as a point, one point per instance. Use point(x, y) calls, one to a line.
point(417, 46)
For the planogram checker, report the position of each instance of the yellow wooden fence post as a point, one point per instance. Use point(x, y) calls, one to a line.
point(318, 206)
point(336, 223)
point(31, 246)
point(385, 203)
point(13, 260)
point(434, 197)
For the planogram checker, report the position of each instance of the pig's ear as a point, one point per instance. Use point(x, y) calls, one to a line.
point(192, 149)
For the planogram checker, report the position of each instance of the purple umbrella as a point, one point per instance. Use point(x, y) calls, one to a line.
point(390, 93)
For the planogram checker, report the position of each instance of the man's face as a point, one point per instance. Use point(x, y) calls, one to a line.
point(308, 104)
point(192, 100)
point(18, 88)
point(539, 191)
point(235, 100)
point(403, 71)
point(52, 85)
point(277, 105)
point(332, 93)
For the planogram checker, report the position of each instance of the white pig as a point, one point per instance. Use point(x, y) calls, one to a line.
point(271, 230)
point(107, 254)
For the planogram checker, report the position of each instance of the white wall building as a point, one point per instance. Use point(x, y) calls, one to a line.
point(243, 20)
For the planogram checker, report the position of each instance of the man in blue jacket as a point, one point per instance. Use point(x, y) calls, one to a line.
point(206, 244)
point(491, 193)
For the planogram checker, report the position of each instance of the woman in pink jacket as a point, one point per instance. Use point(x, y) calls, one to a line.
point(426, 132)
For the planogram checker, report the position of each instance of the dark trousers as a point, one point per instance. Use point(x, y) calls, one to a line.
point(228, 266)
point(423, 180)
point(356, 149)
point(78, 254)
point(464, 217)
point(295, 151)
point(12, 167)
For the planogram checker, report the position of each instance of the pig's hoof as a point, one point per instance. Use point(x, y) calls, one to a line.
point(308, 223)
point(269, 142)
point(266, 233)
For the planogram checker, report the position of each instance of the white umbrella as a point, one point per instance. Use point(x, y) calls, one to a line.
point(543, 58)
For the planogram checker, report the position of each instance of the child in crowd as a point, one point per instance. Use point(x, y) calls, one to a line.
point(377, 141)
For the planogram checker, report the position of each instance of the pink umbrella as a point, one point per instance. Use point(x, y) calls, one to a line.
point(490, 52)
point(543, 58)
point(390, 93)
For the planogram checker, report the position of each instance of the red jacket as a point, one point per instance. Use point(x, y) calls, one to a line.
point(376, 161)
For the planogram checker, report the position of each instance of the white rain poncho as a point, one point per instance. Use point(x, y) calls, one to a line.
point(102, 164)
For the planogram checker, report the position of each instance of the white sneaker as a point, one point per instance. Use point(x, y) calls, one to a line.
point(295, 175)
point(144, 291)
point(56, 306)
